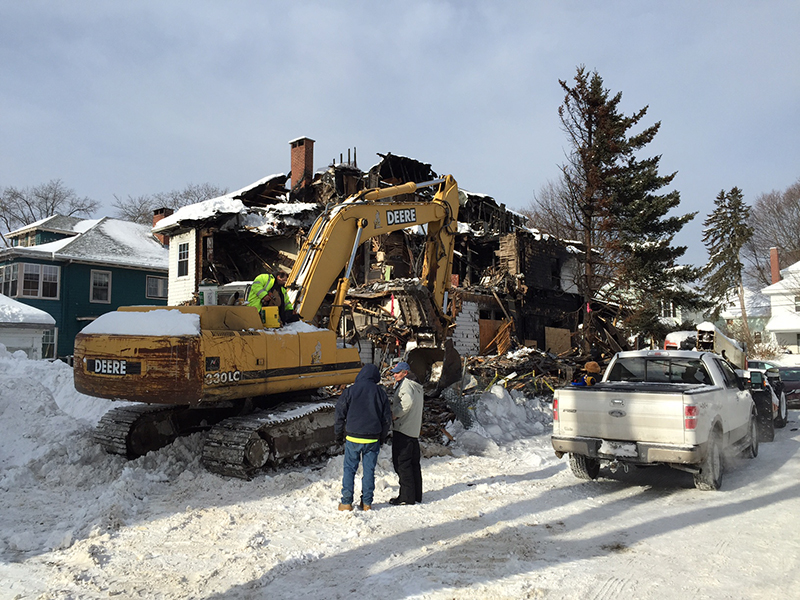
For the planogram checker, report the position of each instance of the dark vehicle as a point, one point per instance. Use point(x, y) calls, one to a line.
point(770, 400)
point(791, 385)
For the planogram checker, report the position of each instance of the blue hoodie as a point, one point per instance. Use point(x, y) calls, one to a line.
point(363, 409)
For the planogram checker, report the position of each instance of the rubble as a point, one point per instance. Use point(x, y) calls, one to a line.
point(524, 373)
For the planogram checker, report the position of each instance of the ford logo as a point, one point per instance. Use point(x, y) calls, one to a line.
point(617, 413)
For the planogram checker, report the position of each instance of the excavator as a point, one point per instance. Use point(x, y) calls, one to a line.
point(185, 369)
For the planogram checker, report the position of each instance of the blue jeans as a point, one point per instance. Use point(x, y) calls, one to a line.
point(354, 453)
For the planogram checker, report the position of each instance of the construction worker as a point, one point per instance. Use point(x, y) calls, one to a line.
point(285, 307)
point(259, 291)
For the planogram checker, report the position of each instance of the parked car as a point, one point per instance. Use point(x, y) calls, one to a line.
point(791, 385)
point(760, 365)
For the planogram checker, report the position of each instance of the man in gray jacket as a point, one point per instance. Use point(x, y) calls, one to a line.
point(407, 403)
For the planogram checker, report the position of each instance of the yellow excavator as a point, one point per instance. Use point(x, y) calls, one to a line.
point(218, 368)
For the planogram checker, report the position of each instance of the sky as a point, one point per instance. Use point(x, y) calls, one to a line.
point(502, 517)
point(128, 99)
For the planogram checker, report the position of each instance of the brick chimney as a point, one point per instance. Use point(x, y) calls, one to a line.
point(302, 162)
point(159, 214)
point(774, 266)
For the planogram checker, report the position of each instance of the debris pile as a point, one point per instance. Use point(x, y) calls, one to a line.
point(526, 375)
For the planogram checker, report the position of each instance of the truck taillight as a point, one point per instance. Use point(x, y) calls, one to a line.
point(690, 417)
point(555, 409)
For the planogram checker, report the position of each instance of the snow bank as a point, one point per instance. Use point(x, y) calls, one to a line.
point(61, 491)
point(499, 417)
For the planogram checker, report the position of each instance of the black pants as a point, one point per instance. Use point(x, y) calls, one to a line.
point(405, 458)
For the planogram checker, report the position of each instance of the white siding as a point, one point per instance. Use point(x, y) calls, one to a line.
point(182, 288)
point(26, 339)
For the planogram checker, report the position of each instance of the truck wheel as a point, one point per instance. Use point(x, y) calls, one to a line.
point(584, 467)
point(710, 475)
point(751, 450)
point(766, 427)
point(782, 418)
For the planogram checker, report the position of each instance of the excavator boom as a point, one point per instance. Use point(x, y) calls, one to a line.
point(335, 236)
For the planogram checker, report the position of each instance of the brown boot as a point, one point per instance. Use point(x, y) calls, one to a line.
point(365, 506)
point(345, 506)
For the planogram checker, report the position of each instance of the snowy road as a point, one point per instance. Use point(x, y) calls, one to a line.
point(511, 523)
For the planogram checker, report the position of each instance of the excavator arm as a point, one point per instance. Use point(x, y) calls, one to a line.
point(333, 241)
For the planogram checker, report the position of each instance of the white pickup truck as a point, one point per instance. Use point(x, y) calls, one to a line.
point(679, 408)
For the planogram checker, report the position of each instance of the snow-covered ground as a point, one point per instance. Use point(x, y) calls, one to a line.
point(499, 519)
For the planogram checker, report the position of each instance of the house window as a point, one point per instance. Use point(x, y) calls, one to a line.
point(183, 260)
point(39, 281)
point(757, 337)
point(49, 343)
point(49, 281)
point(668, 309)
point(31, 274)
point(9, 276)
point(156, 287)
point(101, 287)
point(797, 304)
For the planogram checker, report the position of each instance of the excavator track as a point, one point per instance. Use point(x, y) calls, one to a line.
point(293, 432)
point(135, 430)
point(114, 430)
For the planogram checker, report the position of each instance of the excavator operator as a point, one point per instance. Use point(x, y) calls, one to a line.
point(270, 290)
point(259, 290)
point(285, 307)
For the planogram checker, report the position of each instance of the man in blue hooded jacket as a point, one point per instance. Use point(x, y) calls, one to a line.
point(363, 419)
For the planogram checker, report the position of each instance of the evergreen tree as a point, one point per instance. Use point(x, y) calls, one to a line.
point(726, 231)
point(617, 208)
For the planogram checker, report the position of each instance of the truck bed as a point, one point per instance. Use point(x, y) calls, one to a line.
point(628, 411)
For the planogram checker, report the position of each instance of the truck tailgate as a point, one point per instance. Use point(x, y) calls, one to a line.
point(618, 414)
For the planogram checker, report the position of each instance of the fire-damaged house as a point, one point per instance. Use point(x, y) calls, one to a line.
point(509, 282)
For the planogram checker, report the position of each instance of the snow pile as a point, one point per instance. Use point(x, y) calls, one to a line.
point(499, 519)
point(64, 495)
point(500, 417)
point(151, 322)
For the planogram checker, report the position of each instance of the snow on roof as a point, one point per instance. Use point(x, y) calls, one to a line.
point(122, 242)
point(756, 304)
point(784, 322)
point(201, 210)
point(12, 311)
point(48, 248)
point(109, 241)
point(227, 204)
point(789, 282)
point(84, 226)
point(51, 223)
point(274, 218)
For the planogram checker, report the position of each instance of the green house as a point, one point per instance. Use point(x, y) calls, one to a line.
point(77, 269)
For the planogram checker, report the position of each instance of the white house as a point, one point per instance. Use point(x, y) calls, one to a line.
point(784, 296)
point(758, 310)
point(22, 327)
